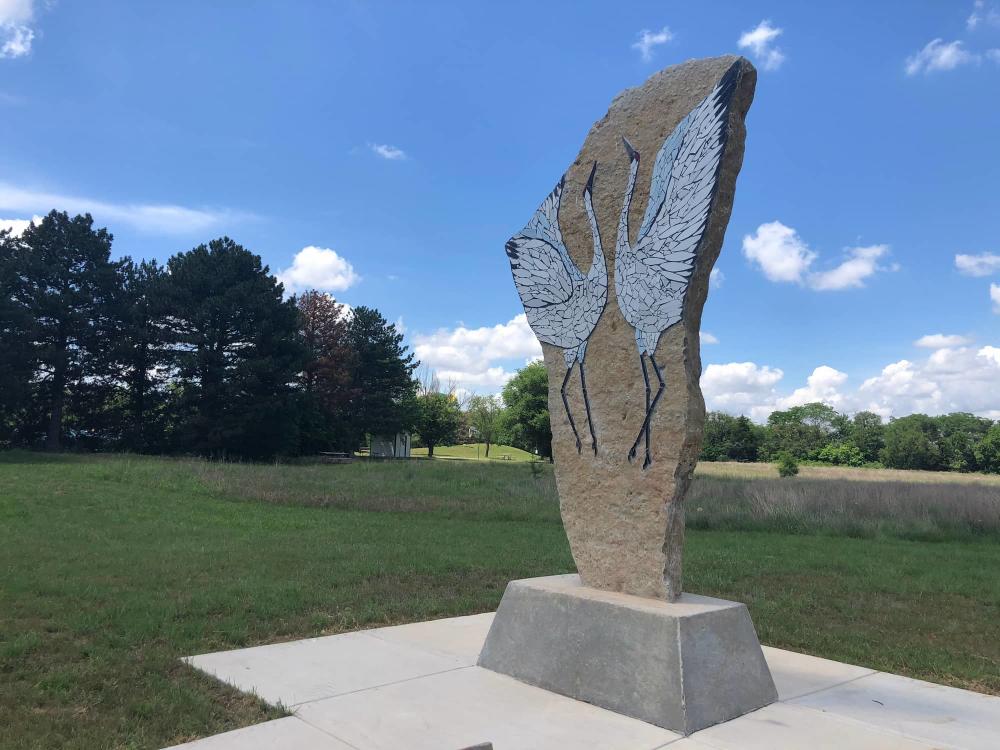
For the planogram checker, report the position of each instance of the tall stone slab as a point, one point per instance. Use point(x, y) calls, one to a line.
point(624, 516)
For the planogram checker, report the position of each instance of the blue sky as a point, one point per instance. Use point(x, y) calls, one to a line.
point(385, 152)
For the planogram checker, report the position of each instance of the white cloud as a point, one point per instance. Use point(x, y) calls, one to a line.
point(760, 41)
point(708, 338)
point(392, 153)
point(473, 358)
point(779, 251)
point(318, 268)
point(862, 262)
point(983, 264)
point(782, 255)
point(16, 31)
point(938, 55)
point(982, 14)
point(942, 341)
point(19, 225)
point(650, 39)
point(995, 297)
point(949, 379)
point(146, 217)
point(716, 279)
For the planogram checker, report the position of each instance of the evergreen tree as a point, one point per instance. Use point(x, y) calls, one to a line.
point(59, 281)
point(17, 362)
point(236, 352)
point(384, 398)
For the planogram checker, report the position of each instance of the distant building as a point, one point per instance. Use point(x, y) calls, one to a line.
point(390, 446)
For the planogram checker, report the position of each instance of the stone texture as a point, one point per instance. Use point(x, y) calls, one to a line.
point(626, 524)
point(682, 665)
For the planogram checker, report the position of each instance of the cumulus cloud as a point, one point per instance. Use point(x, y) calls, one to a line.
point(783, 256)
point(318, 268)
point(779, 251)
point(708, 338)
point(648, 40)
point(16, 27)
point(760, 42)
point(861, 263)
point(384, 150)
point(938, 55)
point(475, 358)
point(159, 218)
point(17, 226)
point(983, 264)
point(942, 340)
point(951, 378)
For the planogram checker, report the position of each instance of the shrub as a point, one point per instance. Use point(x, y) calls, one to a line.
point(787, 465)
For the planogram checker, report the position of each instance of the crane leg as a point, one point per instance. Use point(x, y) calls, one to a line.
point(569, 414)
point(650, 408)
point(645, 377)
point(586, 403)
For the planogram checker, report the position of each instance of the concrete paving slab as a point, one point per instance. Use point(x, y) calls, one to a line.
point(943, 716)
point(290, 733)
point(461, 637)
point(307, 670)
point(473, 705)
point(797, 674)
point(782, 726)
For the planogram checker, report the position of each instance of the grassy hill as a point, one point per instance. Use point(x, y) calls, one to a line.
point(478, 451)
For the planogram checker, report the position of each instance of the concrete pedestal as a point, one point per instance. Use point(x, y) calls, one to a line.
point(684, 665)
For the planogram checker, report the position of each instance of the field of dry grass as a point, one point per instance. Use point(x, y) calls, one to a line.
point(737, 470)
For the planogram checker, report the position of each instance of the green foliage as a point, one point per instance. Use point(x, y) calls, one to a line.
point(912, 442)
point(787, 465)
point(729, 438)
point(841, 454)
point(384, 399)
point(867, 434)
point(988, 451)
point(526, 398)
point(486, 415)
point(803, 430)
point(438, 418)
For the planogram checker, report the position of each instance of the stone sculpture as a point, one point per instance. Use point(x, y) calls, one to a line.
point(621, 634)
point(624, 515)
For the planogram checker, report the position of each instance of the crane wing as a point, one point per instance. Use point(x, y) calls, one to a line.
point(538, 258)
point(685, 175)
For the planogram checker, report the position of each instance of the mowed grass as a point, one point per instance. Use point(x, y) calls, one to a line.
point(478, 451)
point(111, 568)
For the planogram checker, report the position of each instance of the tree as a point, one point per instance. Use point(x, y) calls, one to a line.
point(385, 391)
point(486, 415)
point(787, 465)
point(140, 355)
point(236, 350)
point(17, 356)
point(327, 380)
point(961, 432)
point(729, 438)
point(58, 281)
point(438, 418)
point(867, 434)
point(988, 450)
point(912, 443)
point(803, 430)
point(526, 398)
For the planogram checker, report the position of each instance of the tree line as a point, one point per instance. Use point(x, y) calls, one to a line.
point(202, 355)
point(818, 432)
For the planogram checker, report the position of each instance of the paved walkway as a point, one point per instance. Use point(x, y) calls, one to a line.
point(416, 687)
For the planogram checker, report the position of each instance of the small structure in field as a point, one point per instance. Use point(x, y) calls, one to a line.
point(390, 446)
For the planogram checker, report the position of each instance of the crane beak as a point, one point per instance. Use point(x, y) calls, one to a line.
point(633, 155)
point(590, 180)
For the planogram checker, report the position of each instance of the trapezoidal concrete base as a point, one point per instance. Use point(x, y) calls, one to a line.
point(683, 665)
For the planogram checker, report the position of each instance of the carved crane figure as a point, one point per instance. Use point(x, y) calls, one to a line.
point(652, 275)
point(561, 303)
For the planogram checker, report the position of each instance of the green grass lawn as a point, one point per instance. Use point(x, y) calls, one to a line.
point(478, 451)
point(111, 568)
